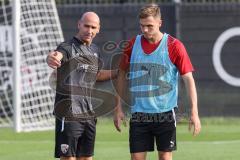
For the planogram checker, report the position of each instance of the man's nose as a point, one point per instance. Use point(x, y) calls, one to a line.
point(89, 30)
point(145, 29)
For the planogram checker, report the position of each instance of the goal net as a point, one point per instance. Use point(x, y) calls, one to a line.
point(29, 29)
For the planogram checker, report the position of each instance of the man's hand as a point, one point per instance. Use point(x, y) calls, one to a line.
point(194, 121)
point(54, 59)
point(119, 118)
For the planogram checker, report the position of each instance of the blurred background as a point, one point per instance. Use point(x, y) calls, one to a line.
point(29, 29)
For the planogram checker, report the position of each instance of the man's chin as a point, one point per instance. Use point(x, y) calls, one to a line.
point(147, 37)
point(88, 41)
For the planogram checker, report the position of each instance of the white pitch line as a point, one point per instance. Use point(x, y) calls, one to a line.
point(17, 141)
point(211, 142)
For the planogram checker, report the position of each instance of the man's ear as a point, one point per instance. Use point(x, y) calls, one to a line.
point(98, 29)
point(160, 23)
point(79, 23)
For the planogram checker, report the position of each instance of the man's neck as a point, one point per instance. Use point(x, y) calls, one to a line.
point(156, 38)
point(80, 39)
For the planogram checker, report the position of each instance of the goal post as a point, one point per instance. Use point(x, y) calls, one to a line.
point(16, 5)
point(29, 30)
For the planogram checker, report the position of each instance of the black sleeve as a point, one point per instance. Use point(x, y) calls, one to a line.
point(63, 48)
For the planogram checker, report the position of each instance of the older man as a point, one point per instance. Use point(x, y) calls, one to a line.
point(77, 62)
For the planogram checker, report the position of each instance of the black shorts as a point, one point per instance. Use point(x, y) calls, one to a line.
point(75, 138)
point(147, 128)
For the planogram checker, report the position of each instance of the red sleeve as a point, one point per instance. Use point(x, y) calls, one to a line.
point(125, 58)
point(179, 56)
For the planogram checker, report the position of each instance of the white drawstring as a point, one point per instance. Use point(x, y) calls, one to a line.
point(174, 117)
point(63, 119)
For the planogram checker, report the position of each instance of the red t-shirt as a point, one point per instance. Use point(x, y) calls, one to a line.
point(177, 54)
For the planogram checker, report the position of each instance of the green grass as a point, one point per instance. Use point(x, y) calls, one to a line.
point(219, 140)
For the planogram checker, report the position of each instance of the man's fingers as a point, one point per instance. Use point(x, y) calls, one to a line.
point(117, 125)
point(118, 128)
point(54, 62)
point(53, 66)
point(197, 129)
point(55, 53)
point(196, 132)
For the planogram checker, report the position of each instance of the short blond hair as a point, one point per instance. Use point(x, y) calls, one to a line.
point(150, 10)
